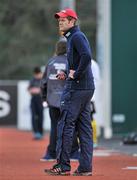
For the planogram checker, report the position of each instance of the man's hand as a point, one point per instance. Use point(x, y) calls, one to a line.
point(61, 75)
point(71, 74)
point(45, 104)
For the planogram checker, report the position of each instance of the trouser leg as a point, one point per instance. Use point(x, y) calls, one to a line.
point(86, 142)
point(40, 118)
point(66, 128)
point(54, 115)
point(34, 117)
point(75, 144)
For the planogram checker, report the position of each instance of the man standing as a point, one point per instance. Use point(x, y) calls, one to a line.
point(75, 100)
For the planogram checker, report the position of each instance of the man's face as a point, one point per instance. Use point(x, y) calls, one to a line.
point(65, 24)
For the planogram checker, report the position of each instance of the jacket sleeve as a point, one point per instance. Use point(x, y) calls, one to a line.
point(81, 45)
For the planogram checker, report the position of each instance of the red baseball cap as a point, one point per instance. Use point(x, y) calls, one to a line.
point(65, 13)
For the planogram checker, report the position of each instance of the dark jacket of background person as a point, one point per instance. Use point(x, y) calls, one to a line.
point(52, 87)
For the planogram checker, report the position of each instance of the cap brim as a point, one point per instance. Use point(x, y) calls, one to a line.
point(60, 14)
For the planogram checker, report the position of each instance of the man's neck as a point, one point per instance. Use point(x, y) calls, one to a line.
point(69, 31)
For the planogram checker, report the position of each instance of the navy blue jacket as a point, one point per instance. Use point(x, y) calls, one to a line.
point(79, 59)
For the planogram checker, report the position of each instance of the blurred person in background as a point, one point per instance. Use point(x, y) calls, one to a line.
point(52, 89)
point(95, 101)
point(36, 103)
point(75, 100)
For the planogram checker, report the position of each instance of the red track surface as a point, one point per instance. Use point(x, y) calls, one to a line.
point(19, 160)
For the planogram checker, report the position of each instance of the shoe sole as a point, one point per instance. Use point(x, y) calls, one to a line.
point(45, 160)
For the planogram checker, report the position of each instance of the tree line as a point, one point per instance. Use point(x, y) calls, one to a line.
point(28, 33)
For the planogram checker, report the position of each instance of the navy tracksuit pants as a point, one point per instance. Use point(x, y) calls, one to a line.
point(75, 112)
point(54, 115)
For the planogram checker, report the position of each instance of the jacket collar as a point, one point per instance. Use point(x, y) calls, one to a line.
point(71, 31)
